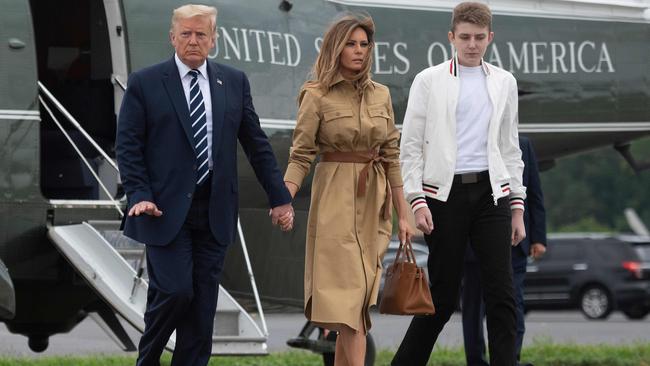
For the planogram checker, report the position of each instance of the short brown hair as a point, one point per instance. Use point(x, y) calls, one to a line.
point(471, 12)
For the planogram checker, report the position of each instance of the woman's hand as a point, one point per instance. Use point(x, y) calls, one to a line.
point(292, 188)
point(405, 230)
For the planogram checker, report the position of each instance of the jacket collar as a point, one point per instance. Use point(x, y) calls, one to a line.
point(453, 66)
point(217, 79)
point(184, 69)
point(172, 82)
point(339, 78)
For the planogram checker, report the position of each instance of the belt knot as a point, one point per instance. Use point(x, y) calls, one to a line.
point(370, 157)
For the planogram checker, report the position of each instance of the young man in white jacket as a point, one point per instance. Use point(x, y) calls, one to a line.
point(462, 171)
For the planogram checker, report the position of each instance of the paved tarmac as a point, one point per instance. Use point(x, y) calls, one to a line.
point(387, 331)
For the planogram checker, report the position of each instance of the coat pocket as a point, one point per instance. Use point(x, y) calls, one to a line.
point(378, 111)
point(379, 118)
point(337, 114)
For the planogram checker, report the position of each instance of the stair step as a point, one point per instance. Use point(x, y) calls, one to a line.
point(226, 323)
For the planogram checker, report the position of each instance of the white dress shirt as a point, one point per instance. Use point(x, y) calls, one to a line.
point(204, 84)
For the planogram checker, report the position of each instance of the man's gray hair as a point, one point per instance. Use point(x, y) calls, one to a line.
point(192, 10)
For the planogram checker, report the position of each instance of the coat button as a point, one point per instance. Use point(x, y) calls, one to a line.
point(189, 195)
point(194, 167)
point(338, 114)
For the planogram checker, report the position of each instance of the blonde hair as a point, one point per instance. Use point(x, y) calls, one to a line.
point(193, 10)
point(327, 66)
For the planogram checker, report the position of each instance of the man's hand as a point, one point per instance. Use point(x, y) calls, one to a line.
point(537, 250)
point(145, 207)
point(518, 228)
point(423, 220)
point(283, 216)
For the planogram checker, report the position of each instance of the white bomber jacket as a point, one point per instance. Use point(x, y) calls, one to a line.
point(428, 146)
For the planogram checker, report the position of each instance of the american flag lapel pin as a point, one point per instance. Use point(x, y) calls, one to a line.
point(219, 82)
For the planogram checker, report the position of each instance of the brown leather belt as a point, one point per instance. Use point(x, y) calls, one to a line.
point(369, 158)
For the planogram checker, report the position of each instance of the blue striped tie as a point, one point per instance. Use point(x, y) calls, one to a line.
point(199, 127)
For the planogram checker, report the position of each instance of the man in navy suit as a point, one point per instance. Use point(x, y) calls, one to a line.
point(472, 297)
point(177, 152)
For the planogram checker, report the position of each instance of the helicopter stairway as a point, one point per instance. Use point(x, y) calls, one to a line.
point(113, 265)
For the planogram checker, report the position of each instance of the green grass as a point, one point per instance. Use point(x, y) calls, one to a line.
point(541, 353)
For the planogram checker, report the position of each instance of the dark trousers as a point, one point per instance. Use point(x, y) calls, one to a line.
point(183, 289)
point(473, 307)
point(468, 215)
point(519, 275)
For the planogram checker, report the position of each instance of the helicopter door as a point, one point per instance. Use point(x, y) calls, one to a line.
point(116, 36)
point(119, 58)
point(75, 67)
point(18, 110)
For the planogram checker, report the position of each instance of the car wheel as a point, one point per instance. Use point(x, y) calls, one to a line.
point(636, 312)
point(595, 302)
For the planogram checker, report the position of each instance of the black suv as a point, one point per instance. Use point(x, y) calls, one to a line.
point(593, 272)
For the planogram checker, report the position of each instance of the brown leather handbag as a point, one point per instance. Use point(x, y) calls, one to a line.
point(406, 289)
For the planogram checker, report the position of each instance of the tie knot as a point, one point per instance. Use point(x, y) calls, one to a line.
point(194, 73)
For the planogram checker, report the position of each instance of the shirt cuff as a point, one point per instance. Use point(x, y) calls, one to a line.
point(294, 174)
point(516, 203)
point(418, 203)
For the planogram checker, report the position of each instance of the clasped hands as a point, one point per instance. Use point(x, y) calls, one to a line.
point(282, 216)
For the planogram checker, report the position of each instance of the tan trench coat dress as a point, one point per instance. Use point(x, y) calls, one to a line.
point(347, 235)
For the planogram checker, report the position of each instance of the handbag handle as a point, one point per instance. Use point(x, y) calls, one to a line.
point(408, 252)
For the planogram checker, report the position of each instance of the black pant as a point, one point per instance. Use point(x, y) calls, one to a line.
point(474, 308)
point(468, 215)
point(183, 290)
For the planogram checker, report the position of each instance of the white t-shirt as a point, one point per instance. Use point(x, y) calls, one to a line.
point(473, 113)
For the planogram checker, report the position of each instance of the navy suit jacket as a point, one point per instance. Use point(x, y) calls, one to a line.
point(534, 212)
point(157, 161)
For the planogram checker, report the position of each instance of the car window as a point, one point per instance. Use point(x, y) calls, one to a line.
point(644, 252)
point(561, 250)
point(614, 251)
point(566, 251)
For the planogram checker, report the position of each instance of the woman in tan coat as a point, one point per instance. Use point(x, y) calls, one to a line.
point(347, 120)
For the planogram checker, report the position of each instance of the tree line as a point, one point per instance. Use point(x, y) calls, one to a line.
point(588, 192)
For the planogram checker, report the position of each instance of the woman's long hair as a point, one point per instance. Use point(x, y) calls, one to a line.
point(326, 67)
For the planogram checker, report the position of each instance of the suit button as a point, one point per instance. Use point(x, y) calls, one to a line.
point(189, 195)
point(194, 167)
